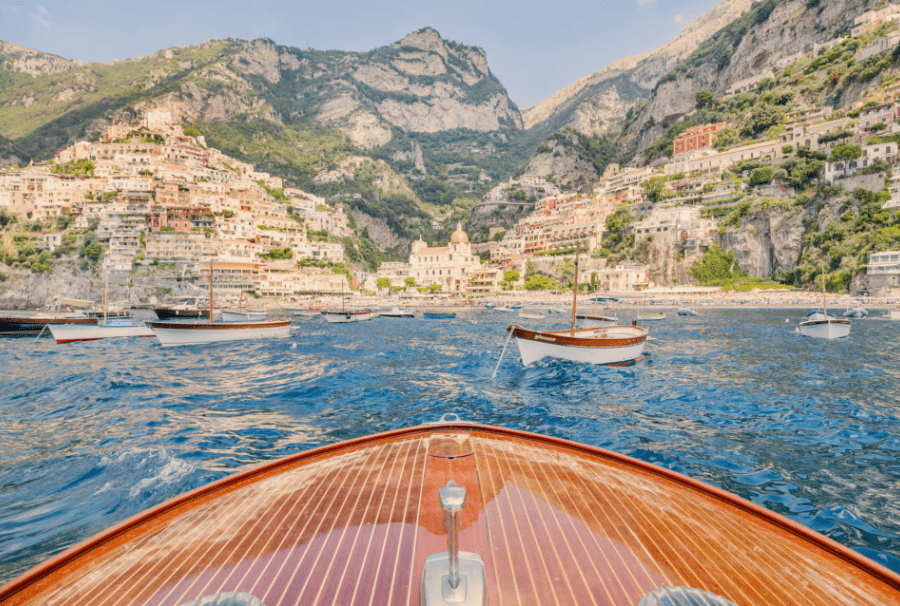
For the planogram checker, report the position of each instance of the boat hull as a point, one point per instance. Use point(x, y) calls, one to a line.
point(397, 313)
point(344, 317)
point(555, 523)
point(197, 333)
point(825, 329)
point(611, 345)
point(24, 327)
point(651, 316)
point(70, 333)
point(437, 316)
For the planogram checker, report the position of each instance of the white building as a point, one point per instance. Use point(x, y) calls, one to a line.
point(884, 263)
point(451, 266)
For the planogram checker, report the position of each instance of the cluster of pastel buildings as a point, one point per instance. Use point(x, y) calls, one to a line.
point(158, 196)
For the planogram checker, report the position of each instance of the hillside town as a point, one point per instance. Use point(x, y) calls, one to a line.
point(155, 193)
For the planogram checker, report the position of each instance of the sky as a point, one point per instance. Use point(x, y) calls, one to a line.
point(535, 47)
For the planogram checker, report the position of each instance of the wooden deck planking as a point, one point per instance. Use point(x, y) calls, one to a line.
point(553, 524)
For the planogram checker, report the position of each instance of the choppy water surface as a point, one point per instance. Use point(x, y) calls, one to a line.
point(93, 433)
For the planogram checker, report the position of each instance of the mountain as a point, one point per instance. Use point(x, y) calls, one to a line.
point(597, 103)
point(420, 84)
point(765, 40)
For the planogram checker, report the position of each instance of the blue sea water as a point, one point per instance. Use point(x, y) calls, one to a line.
point(93, 433)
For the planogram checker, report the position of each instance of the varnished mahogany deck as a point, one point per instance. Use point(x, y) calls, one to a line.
point(556, 523)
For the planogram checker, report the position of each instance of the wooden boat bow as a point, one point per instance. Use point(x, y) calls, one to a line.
point(554, 522)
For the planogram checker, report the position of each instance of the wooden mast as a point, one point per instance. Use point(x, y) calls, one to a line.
point(210, 291)
point(575, 292)
point(824, 306)
point(106, 296)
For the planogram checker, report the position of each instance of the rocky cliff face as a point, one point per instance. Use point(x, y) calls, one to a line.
point(599, 101)
point(790, 27)
point(767, 240)
point(422, 84)
point(565, 165)
point(26, 61)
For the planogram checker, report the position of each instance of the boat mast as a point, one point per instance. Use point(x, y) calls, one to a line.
point(210, 291)
point(824, 306)
point(106, 296)
point(575, 292)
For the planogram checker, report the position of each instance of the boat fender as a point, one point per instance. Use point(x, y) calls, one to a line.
point(683, 596)
point(231, 598)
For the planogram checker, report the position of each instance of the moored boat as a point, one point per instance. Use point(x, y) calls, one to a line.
point(438, 315)
point(111, 329)
point(823, 325)
point(893, 314)
point(531, 315)
point(651, 316)
point(825, 329)
point(686, 311)
point(200, 333)
point(857, 312)
point(396, 312)
point(343, 316)
point(11, 326)
point(64, 311)
point(513, 517)
point(604, 345)
point(608, 345)
point(185, 309)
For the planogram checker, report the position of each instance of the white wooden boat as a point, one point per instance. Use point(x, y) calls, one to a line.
point(893, 314)
point(651, 316)
point(857, 312)
point(503, 308)
point(823, 325)
point(596, 321)
point(830, 328)
point(396, 312)
point(531, 315)
point(687, 311)
point(243, 315)
point(607, 345)
point(200, 333)
point(111, 329)
point(343, 316)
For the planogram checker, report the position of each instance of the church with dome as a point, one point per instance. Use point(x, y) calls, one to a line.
point(451, 266)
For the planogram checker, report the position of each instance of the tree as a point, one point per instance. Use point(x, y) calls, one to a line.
point(761, 176)
point(511, 276)
point(538, 282)
point(716, 267)
point(383, 284)
point(845, 153)
point(410, 282)
point(704, 98)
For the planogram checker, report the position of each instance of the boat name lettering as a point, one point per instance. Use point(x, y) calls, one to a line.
point(543, 338)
